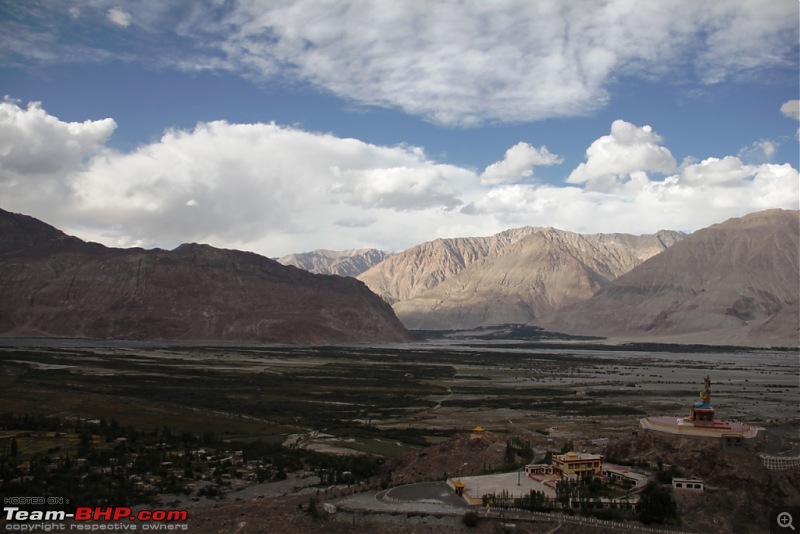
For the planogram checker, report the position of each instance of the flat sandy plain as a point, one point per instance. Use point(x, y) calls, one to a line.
point(390, 399)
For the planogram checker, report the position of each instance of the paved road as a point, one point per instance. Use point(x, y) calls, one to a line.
point(426, 492)
point(425, 497)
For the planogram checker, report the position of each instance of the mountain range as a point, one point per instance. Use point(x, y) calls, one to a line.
point(515, 276)
point(52, 284)
point(734, 283)
point(351, 262)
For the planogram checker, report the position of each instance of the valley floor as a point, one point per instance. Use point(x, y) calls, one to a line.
point(383, 403)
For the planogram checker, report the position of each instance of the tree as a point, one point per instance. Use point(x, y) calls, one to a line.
point(656, 504)
point(313, 510)
point(509, 457)
point(536, 501)
point(471, 519)
point(14, 447)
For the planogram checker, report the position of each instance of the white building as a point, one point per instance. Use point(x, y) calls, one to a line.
point(688, 484)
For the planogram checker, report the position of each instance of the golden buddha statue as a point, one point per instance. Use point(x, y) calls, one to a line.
point(705, 395)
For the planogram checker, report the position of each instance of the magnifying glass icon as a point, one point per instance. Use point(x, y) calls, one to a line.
point(785, 520)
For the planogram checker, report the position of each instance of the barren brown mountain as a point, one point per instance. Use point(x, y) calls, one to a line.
point(511, 277)
point(736, 283)
point(52, 284)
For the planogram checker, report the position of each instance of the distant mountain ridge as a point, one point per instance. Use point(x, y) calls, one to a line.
point(52, 284)
point(736, 282)
point(511, 277)
point(351, 262)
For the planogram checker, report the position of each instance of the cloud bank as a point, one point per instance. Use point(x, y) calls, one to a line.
point(451, 62)
point(275, 189)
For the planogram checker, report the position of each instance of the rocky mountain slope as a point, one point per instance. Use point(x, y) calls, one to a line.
point(351, 262)
point(511, 277)
point(737, 282)
point(52, 284)
point(744, 492)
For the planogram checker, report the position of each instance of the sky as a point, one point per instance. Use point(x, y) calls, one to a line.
point(281, 127)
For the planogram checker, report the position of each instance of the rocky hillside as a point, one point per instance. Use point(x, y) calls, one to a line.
point(52, 284)
point(740, 492)
point(511, 277)
point(737, 282)
point(342, 262)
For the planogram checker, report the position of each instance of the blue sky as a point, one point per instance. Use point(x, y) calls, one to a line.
point(282, 127)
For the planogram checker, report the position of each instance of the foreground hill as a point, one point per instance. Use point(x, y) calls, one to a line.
point(511, 277)
point(52, 284)
point(744, 494)
point(737, 282)
point(342, 262)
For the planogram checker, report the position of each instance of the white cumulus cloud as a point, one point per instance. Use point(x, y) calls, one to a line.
point(760, 151)
point(791, 109)
point(402, 188)
point(120, 17)
point(33, 142)
point(612, 158)
point(699, 195)
point(518, 163)
point(37, 153)
point(244, 183)
point(726, 172)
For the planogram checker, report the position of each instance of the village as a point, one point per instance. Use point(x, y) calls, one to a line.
point(100, 462)
point(95, 462)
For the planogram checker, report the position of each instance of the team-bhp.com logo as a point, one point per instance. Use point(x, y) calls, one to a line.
point(85, 513)
point(89, 518)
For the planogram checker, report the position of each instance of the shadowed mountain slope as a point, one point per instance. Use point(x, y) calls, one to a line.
point(52, 284)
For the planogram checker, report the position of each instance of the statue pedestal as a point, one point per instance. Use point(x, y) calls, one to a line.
point(701, 412)
point(700, 422)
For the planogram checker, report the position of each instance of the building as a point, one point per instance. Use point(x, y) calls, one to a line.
point(478, 432)
point(545, 478)
point(622, 475)
point(577, 464)
point(688, 484)
point(538, 470)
